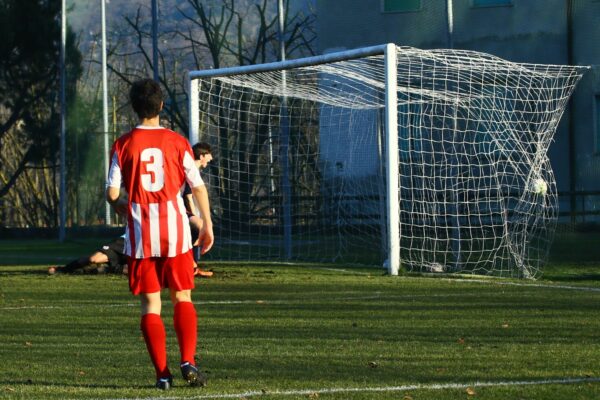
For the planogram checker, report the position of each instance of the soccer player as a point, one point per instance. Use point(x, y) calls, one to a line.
point(202, 156)
point(111, 253)
point(152, 164)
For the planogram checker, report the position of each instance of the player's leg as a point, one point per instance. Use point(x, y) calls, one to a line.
point(185, 321)
point(181, 281)
point(151, 303)
point(155, 336)
point(71, 267)
point(143, 281)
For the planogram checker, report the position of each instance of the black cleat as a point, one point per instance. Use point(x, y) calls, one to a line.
point(192, 376)
point(164, 383)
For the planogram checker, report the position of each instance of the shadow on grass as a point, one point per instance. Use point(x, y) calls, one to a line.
point(45, 384)
point(586, 277)
point(26, 260)
point(23, 272)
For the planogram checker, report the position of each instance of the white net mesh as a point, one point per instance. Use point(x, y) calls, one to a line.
point(300, 161)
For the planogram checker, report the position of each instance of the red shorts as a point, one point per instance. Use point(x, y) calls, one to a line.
point(150, 275)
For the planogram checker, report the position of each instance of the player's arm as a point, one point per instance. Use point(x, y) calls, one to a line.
point(200, 194)
point(207, 237)
point(191, 206)
point(188, 201)
point(113, 196)
point(113, 188)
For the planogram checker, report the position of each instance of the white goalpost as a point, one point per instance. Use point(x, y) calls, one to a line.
point(430, 160)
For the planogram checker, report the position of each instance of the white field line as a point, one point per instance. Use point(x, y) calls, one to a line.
point(349, 271)
point(375, 296)
point(535, 285)
point(487, 281)
point(475, 280)
point(380, 389)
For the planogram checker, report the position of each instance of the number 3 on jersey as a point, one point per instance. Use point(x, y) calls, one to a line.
point(153, 173)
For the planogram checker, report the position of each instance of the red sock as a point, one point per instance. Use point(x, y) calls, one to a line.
point(185, 321)
point(155, 337)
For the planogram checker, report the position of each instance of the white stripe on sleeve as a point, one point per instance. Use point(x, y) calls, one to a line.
point(192, 175)
point(114, 177)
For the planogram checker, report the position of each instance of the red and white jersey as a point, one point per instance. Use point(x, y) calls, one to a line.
point(152, 164)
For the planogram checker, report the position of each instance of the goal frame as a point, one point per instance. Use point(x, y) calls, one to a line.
point(462, 135)
point(388, 50)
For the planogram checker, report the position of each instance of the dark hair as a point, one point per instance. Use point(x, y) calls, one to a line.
point(146, 98)
point(201, 149)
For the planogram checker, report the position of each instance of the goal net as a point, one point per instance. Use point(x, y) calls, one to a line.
point(435, 161)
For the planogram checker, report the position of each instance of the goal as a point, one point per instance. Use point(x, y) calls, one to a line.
point(427, 160)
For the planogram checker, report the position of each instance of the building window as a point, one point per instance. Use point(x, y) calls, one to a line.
point(400, 5)
point(597, 124)
point(491, 3)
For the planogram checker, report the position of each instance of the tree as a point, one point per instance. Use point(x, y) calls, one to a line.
point(210, 34)
point(205, 34)
point(29, 82)
point(236, 37)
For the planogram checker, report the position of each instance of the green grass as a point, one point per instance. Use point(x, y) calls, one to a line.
point(299, 332)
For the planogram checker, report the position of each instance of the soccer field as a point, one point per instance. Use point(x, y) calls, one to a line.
point(277, 331)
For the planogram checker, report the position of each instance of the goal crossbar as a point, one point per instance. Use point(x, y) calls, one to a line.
point(290, 64)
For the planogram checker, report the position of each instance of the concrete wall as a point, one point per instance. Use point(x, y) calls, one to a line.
point(533, 31)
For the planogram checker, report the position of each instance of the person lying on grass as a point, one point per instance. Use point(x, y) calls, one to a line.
point(110, 258)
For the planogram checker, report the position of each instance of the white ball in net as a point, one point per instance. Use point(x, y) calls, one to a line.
point(540, 186)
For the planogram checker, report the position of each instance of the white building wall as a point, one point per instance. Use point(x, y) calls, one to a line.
point(533, 31)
